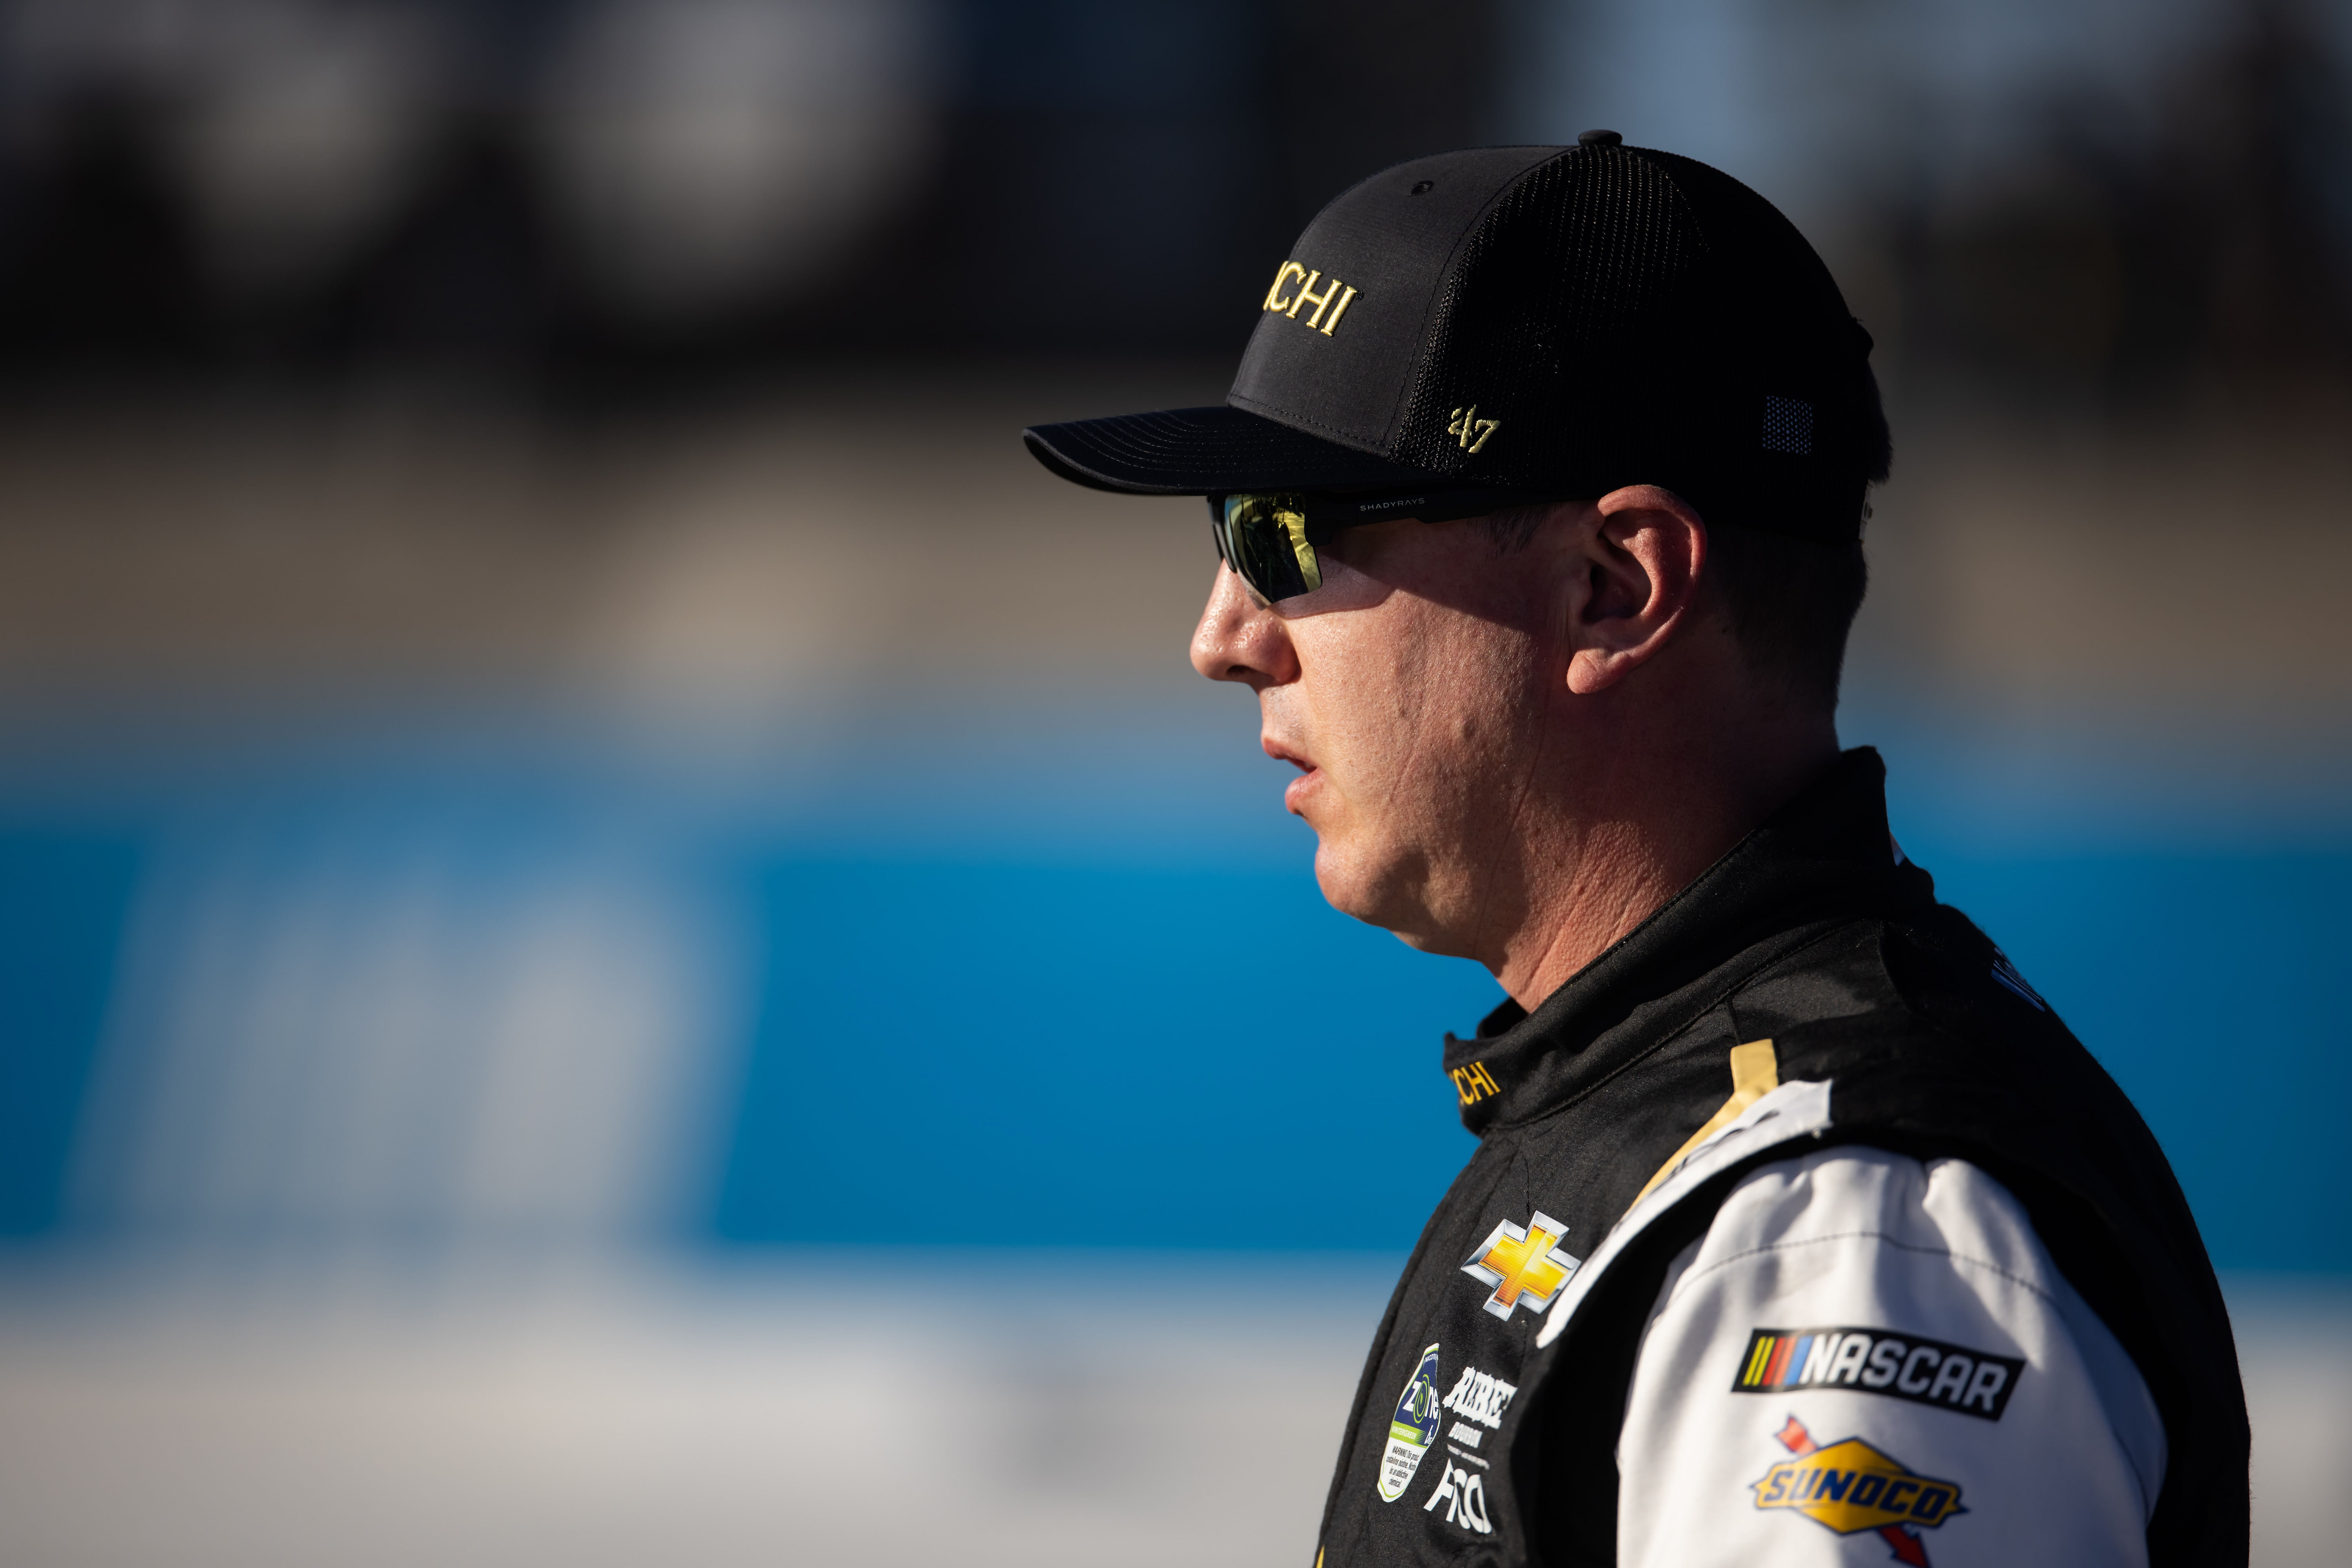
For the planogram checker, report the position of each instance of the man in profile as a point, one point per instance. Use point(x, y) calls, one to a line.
point(1799, 1229)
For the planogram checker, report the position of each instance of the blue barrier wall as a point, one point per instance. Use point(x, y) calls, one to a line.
point(63, 898)
point(970, 1010)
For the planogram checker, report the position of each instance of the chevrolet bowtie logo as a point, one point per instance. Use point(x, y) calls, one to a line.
point(1522, 1265)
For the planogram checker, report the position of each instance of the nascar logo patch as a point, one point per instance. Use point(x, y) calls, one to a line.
point(1879, 1361)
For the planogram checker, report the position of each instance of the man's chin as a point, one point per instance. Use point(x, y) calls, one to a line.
point(1351, 888)
point(1343, 888)
point(1379, 895)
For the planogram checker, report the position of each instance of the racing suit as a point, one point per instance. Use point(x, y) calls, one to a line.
point(1799, 1231)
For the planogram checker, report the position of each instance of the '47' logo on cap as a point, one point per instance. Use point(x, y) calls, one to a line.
point(1522, 1265)
point(1471, 430)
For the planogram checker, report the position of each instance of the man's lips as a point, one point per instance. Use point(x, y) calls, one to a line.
point(1282, 753)
point(1294, 795)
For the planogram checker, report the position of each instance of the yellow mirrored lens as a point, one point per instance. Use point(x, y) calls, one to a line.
point(1269, 533)
point(1310, 570)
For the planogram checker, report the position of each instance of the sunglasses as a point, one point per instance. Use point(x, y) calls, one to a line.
point(1270, 538)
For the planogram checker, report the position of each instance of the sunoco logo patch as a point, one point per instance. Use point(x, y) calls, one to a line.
point(1849, 1486)
point(1879, 1361)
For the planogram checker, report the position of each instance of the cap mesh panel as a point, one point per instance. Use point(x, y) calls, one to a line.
point(1553, 293)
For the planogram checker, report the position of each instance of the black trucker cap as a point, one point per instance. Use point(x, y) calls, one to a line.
point(1550, 321)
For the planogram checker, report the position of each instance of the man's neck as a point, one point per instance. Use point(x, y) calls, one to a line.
point(1625, 843)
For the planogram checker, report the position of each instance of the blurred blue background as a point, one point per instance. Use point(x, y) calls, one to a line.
point(613, 910)
point(1037, 991)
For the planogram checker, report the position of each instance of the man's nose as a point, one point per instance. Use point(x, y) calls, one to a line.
point(1240, 638)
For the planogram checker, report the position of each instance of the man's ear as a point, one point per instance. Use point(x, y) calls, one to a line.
point(1637, 582)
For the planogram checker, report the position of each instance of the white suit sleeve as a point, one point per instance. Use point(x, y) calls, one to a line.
point(1866, 1359)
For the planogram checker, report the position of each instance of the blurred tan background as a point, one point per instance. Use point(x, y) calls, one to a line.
point(851, 526)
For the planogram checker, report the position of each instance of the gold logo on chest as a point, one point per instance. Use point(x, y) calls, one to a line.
point(1329, 305)
point(1525, 1264)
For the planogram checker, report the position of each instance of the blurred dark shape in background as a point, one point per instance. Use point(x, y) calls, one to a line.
point(601, 189)
point(2129, 255)
point(585, 193)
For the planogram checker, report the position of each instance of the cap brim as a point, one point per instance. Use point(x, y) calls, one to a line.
point(1206, 451)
